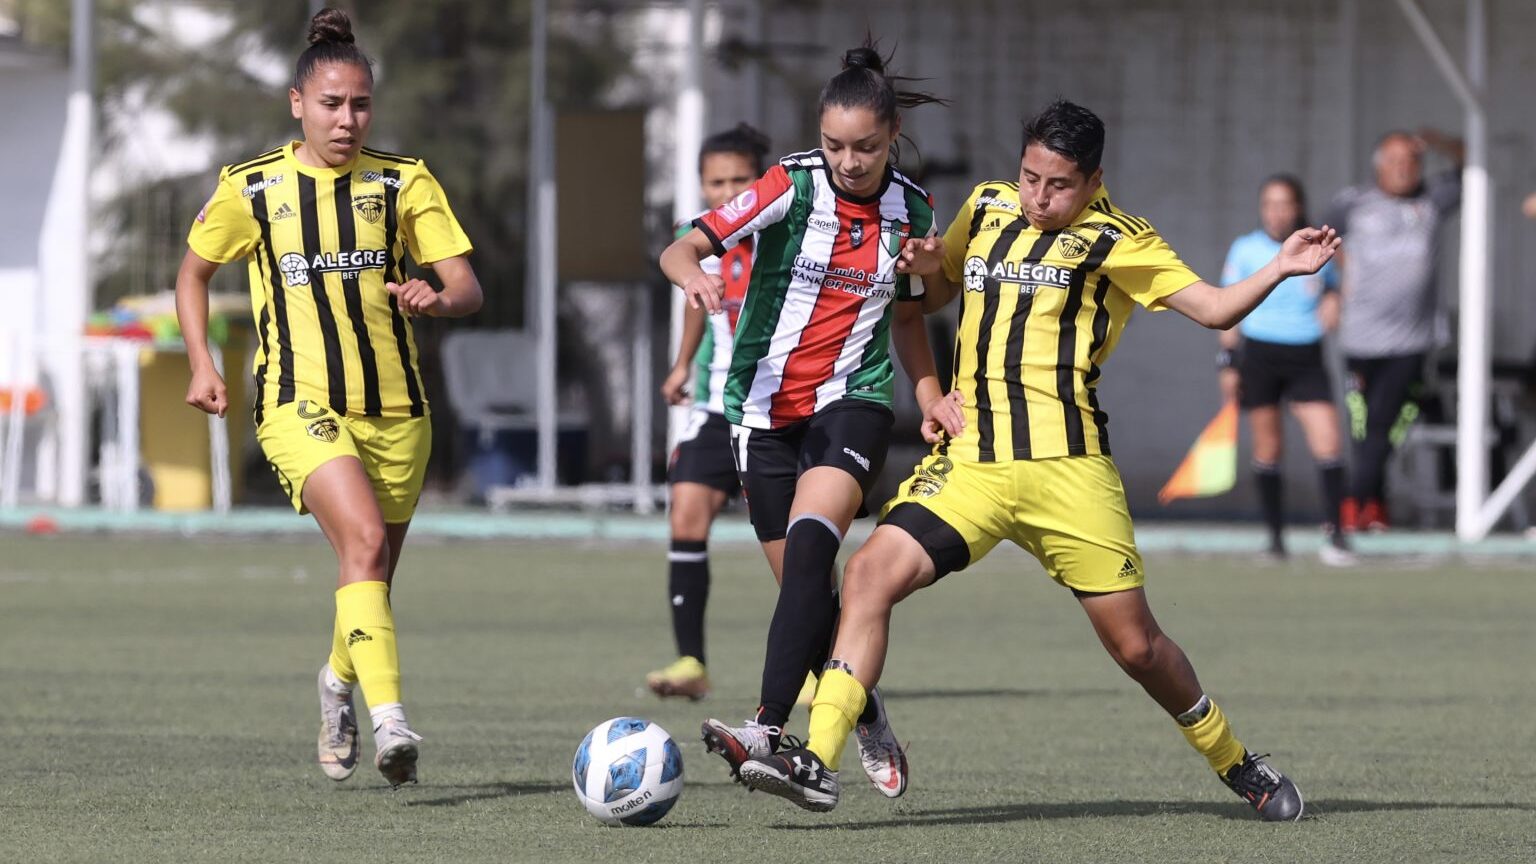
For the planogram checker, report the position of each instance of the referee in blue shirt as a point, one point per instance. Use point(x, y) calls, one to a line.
point(1277, 353)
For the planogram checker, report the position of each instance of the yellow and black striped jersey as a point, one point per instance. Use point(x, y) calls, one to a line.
point(320, 243)
point(1039, 315)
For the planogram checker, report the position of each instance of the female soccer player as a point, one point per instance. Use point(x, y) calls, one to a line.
point(809, 388)
point(703, 472)
point(1280, 355)
point(324, 225)
point(1049, 270)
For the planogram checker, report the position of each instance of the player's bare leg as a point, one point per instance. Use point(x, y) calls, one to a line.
point(1126, 627)
point(1320, 426)
point(341, 497)
point(889, 567)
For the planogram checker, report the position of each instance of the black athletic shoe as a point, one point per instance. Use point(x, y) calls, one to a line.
point(796, 775)
point(1268, 791)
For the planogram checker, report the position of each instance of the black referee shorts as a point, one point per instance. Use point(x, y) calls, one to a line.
point(1270, 372)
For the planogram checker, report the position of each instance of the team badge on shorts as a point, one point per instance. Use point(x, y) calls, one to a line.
point(931, 478)
point(326, 430)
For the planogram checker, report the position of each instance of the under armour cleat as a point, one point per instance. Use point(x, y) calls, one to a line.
point(338, 732)
point(1268, 791)
point(737, 744)
point(396, 752)
point(884, 761)
point(796, 775)
point(684, 677)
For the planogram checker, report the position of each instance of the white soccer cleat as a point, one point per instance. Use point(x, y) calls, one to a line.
point(884, 761)
point(337, 745)
point(396, 751)
point(737, 744)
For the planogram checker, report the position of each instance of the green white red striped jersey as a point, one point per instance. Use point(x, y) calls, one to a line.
point(712, 362)
point(815, 325)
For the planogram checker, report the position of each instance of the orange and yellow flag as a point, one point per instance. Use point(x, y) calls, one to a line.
point(1210, 468)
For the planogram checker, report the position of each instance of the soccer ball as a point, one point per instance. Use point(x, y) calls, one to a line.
point(628, 771)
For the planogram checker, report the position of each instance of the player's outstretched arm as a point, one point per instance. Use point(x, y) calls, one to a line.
point(1303, 253)
point(461, 294)
point(206, 391)
point(924, 257)
point(680, 262)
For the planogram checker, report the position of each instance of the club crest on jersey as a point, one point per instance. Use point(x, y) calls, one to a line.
point(856, 233)
point(376, 177)
point(369, 206)
point(1073, 244)
point(326, 430)
point(896, 233)
point(251, 190)
point(739, 206)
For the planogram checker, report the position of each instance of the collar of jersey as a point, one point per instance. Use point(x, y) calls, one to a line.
point(292, 159)
point(885, 183)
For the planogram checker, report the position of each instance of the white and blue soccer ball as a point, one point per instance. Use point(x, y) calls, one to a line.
point(628, 771)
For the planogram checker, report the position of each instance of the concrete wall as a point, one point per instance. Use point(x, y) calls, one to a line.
point(33, 90)
point(1202, 99)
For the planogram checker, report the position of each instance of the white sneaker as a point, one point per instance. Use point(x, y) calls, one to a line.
point(396, 751)
point(737, 744)
point(884, 760)
point(337, 746)
point(1333, 556)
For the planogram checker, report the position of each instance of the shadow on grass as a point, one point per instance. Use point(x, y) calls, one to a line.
point(997, 693)
point(485, 792)
point(1076, 810)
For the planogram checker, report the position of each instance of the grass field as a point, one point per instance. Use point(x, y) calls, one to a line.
point(158, 705)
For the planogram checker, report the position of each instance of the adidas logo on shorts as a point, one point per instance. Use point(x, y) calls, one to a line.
point(1128, 570)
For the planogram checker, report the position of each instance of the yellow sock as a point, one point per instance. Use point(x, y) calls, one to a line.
point(1213, 737)
point(341, 661)
point(362, 612)
point(836, 708)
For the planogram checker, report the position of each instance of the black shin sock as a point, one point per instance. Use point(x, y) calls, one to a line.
point(1268, 477)
point(1331, 474)
point(804, 617)
point(688, 586)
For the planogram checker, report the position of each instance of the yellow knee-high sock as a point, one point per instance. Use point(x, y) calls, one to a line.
point(835, 710)
point(362, 612)
point(341, 661)
point(1213, 737)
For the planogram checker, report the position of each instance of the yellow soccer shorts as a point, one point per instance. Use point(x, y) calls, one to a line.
point(1070, 513)
point(299, 437)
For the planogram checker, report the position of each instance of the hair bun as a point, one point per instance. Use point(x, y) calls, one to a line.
point(331, 25)
point(864, 57)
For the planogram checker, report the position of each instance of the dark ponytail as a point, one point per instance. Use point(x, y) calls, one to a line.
point(743, 139)
point(864, 83)
point(330, 41)
point(1298, 192)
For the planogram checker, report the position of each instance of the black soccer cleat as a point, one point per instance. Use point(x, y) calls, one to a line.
point(1268, 791)
point(796, 775)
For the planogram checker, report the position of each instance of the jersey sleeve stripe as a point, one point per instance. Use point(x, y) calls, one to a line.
point(392, 273)
point(330, 337)
point(714, 240)
point(390, 157)
point(264, 159)
point(346, 235)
